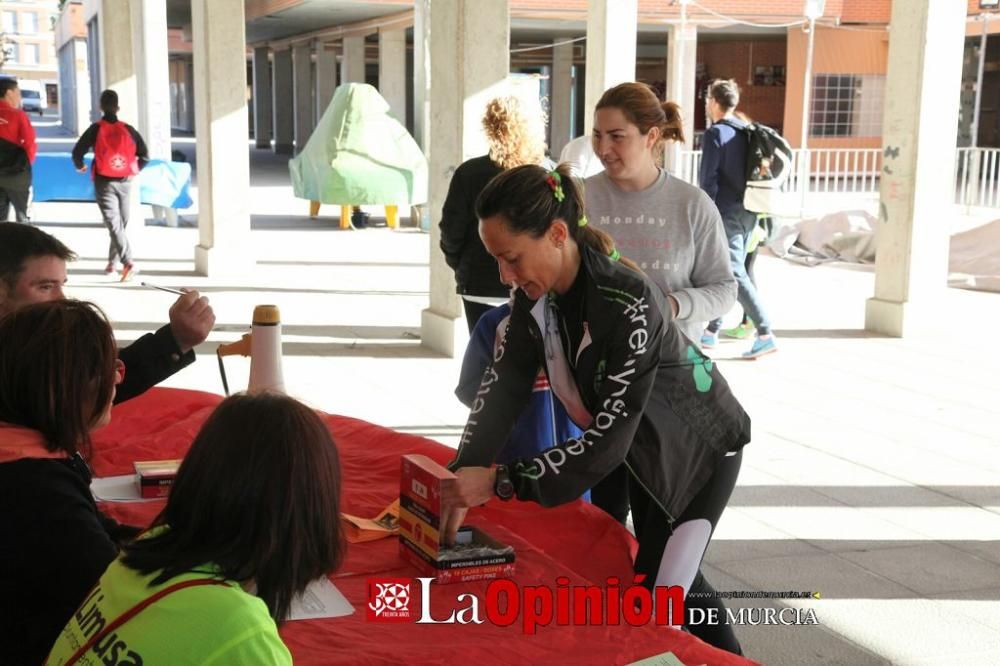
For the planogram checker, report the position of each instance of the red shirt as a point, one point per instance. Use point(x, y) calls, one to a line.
point(16, 128)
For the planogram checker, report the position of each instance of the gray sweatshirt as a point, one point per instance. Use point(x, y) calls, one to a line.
point(675, 234)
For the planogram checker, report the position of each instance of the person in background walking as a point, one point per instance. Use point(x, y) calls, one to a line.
point(17, 152)
point(515, 136)
point(119, 154)
point(723, 177)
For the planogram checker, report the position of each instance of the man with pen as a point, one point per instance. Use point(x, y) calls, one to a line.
point(33, 270)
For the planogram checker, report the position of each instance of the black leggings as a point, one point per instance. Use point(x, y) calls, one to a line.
point(690, 539)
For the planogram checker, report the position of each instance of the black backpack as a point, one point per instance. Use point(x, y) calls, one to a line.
point(768, 166)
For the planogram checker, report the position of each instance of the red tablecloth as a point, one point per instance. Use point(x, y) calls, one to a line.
point(576, 540)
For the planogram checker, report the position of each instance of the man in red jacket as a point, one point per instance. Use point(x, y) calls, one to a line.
point(17, 152)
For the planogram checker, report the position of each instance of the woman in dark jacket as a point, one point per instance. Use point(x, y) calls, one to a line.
point(58, 372)
point(514, 138)
point(643, 393)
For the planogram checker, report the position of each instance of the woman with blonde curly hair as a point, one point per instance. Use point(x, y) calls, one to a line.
point(515, 137)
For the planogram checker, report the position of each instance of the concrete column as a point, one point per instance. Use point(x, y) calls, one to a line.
point(302, 86)
point(611, 33)
point(326, 77)
point(560, 109)
point(118, 68)
point(918, 135)
point(82, 88)
point(284, 123)
point(681, 68)
point(218, 28)
point(149, 25)
point(469, 64)
point(354, 59)
point(421, 72)
point(263, 100)
point(392, 70)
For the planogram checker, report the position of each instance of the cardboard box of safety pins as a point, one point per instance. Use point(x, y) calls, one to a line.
point(475, 555)
point(155, 477)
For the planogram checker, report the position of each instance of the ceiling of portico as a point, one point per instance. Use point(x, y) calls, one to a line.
point(269, 20)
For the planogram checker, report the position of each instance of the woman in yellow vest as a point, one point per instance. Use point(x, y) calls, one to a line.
point(252, 518)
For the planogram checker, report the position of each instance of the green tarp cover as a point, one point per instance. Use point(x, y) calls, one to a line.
point(360, 154)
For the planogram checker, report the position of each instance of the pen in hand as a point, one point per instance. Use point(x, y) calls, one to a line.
point(169, 290)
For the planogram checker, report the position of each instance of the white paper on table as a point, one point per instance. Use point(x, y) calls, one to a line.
point(665, 659)
point(118, 489)
point(321, 599)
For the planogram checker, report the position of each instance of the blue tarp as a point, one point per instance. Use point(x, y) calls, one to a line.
point(161, 183)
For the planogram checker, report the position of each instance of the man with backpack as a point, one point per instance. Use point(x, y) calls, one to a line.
point(119, 154)
point(17, 152)
point(723, 176)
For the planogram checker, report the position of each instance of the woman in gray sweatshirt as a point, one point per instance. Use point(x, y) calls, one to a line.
point(671, 229)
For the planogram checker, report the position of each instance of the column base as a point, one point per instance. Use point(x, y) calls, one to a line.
point(263, 143)
point(443, 333)
point(217, 262)
point(910, 319)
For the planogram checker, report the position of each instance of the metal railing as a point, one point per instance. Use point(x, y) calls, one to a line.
point(857, 170)
point(853, 170)
point(977, 176)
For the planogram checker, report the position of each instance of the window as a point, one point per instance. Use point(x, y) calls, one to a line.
point(10, 22)
point(847, 105)
point(30, 54)
point(11, 52)
point(29, 23)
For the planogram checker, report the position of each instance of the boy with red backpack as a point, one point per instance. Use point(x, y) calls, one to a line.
point(119, 154)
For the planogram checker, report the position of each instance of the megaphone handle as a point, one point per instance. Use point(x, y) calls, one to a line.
point(222, 372)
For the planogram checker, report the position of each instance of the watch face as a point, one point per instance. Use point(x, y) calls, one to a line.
point(505, 489)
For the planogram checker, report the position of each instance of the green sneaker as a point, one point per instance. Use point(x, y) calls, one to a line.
point(741, 332)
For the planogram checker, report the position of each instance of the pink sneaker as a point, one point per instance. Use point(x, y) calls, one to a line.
point(128, 270)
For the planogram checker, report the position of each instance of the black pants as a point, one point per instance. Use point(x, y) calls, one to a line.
point(15, 189)
point(612, 494)
point(113, 200)
point(654, 531)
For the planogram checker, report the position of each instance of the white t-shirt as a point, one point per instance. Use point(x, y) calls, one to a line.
point(579, 153)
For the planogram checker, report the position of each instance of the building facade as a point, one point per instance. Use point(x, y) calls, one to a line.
point(26, 37)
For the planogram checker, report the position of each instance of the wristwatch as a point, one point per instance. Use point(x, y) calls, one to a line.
point(503, 487)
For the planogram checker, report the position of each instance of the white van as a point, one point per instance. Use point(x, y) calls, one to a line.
point(33, 98)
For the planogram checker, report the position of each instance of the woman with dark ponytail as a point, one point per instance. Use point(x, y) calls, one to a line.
point(646, 397)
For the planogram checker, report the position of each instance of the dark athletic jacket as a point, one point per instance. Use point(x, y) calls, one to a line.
point(647, 395)
point(476, 272)
point(148, 361)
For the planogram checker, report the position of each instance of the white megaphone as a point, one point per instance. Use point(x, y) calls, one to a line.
point(263, 345)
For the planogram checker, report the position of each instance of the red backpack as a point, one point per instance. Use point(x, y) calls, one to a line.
point(114, 151)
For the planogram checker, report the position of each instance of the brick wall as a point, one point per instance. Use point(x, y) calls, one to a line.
point(737, 60)
point(866, 11)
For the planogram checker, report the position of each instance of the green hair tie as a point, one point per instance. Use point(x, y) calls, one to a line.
point(582, 222)
point(615, 255)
